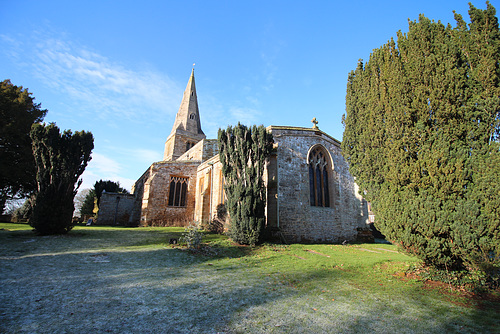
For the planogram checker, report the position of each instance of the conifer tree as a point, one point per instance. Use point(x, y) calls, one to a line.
point(18, 112)
point(243, 152)
point(89, 203)
point(422, 129)
point(60, 159)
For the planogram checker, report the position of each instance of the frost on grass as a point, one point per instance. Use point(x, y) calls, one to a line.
point(133, 282)
point(68, 285)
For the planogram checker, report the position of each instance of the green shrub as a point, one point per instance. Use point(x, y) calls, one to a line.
point(192, 236)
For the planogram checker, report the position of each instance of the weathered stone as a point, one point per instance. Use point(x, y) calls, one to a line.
point(115, 209)
point(311, 196)
point(186, 131)
point(298, 220)
point(155, 187)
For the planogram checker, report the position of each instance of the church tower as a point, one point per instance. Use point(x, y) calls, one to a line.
point(186, 131)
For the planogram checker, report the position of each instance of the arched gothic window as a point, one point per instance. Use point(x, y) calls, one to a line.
point(178, 191)
point(318, 177)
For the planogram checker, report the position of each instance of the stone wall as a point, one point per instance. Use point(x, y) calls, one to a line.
point(286, 177)
point(176, 144)
point(138, 192)
point(296, 218)
point(115, 209)
point(271, 179)
point(209, 189)
point(202, 151)
point(156, 184)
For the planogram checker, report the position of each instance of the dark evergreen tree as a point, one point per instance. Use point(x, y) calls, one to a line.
point(88, 203)
point(422, 129)
point(60, 159)
point(18, 112)
point(243, 152)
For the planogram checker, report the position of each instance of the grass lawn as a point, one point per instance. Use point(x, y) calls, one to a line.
point(131, 280)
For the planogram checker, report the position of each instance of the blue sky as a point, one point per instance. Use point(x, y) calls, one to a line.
point(119, 68)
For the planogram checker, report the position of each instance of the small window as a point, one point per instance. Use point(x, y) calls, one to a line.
point(192, 116)
point(178, 191)
point(189, 145)
point(318, 178)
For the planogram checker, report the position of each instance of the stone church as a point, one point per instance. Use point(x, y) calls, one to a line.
point(311, 196)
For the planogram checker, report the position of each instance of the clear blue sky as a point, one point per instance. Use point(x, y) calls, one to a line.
point(119, 68)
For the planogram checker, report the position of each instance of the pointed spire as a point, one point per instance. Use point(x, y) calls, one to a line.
point(187, 126)
point(188, 116)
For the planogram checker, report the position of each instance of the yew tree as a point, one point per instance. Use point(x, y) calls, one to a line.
point(89, 203)
point(243, 152)
point(80, 199)
point(60, 159)
point(18, 112)
point(422, 130)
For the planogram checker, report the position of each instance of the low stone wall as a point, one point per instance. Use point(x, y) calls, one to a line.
point(115, 209)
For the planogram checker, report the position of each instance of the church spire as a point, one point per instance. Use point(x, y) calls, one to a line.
point(187, 126)
point(188, 116)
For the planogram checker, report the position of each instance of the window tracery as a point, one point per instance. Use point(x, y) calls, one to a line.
point(178, 191)
point(318, 178)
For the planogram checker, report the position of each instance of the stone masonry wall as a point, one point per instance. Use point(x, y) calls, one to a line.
point(176, 144)
point(297, 219)
point(154, 208)
point(115, 209)
point(209, 189)
point(287, 178)
point(203, 150)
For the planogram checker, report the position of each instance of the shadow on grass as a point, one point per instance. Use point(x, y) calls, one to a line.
point(146, 290)
point(99, 280)
point(95, 238)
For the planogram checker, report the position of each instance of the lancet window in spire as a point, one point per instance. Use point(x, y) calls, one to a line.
point(318, 177)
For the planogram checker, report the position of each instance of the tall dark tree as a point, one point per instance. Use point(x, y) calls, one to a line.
point(18, 112)
point(88, 204)
point(80, 199)
point(60, 159)
point(243, 152)
point(422, 129)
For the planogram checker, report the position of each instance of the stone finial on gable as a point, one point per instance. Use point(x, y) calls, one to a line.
point(315, 123)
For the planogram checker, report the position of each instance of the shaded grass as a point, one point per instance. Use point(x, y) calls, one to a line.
point(107, 279)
